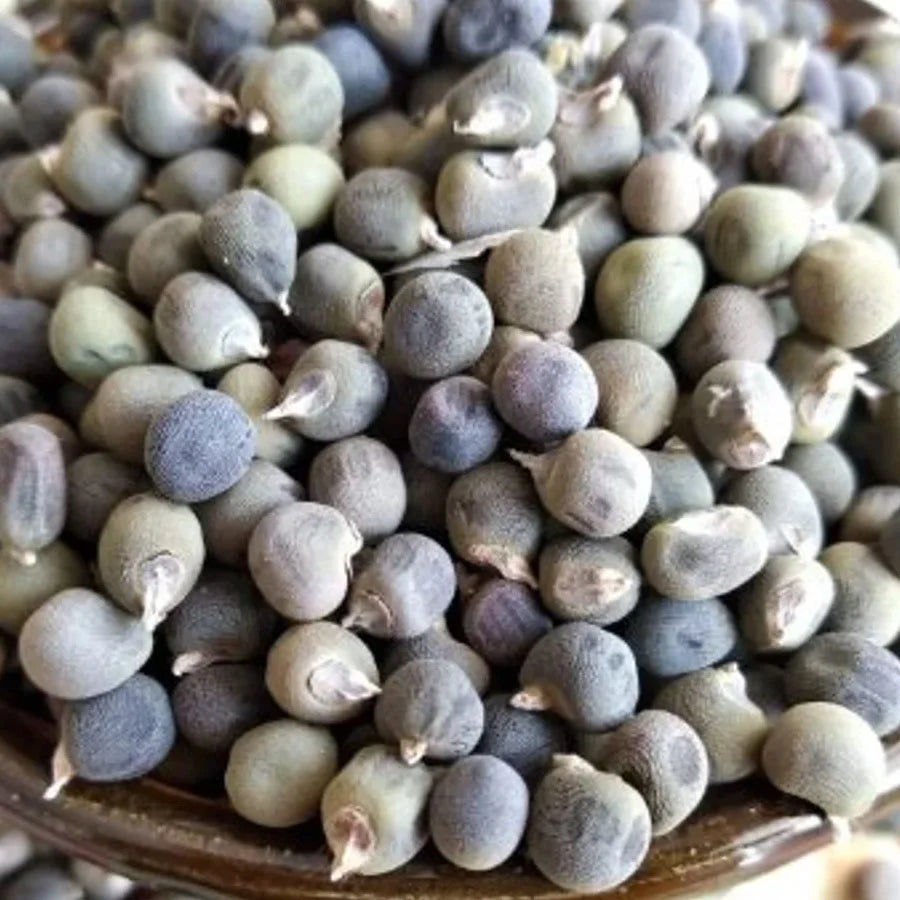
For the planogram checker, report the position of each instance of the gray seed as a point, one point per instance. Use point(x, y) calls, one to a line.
point(404, 32)
point(299, 556)
point(120, 232)
point(714, 703)
point(96, 484)
point(597, 219)
point(404, 589)
point(827, 755)
point(478, 812)
point(829, 474)
point(589, 830)
point(167, 247)
point(61, 643)
point(197, 180)
point(584, 674)
point(705, 553)
point(49, 253)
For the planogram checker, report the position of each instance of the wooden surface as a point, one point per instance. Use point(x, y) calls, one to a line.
point(153, 832)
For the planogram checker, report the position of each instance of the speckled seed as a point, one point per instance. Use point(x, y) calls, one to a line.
point(32, 490)
point(827, 755)
point(304, 180)
point(480, 193)
point(120, 735)
point(647, 287)
point(494, 519)
point(705, 553)
point(256, 390)
point(680, 485)
point(361, 478)
point(504, 339)
point(846, 292)
point(197, 180)
point(374, 813)
point(753, 232)
point(673, 637)
point(478, 812)
point(61, 644)
point(93, 332)
point(334, 390)
point(438, 643)
point(663, 758)
point(637, 389)
point(167, 109)
point(430, 708)
point(167, 247)
point(535, 280)
point(714, 703)
point(508, 101)
point(584, 674)
point(569, 482)
point(867, 593)
point(228, 520)
point(216, 705)
point(664, 72)
point(199, 446)
point(337, 294)
point(851, 671)
point(741, 414)
point(589, 831)
point(785, 506)
point(454, 427)
point(404, 588)
point(321, 673)
point(728, 322)
point(383, 214)
point(597, 135)
point(593, 580)
point(545, 391)
point(666, 193)
point(129, 398)
point(149, 555)
point(785, 604)
point(277, 772)
point(503, 620)
point(250, 241)
point(203, 325)
point(299, 556)
point(820, 381)
point(438, 324)
point(95, 168)
point(26, 588)
point(222, 619)
point(48, 254)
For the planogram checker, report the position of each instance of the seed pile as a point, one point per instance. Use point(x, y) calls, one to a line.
point(474, 421)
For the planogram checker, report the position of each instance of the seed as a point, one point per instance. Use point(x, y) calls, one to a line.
point(49, 253)
point(571, 489)
point(222, 619)
point(680, 485)
point(597, 220)
point(299, 556)
point(871, 510)
point(195, 181)
point(403, 589)
point(374, 813)
point(494, 519)
point(167, 247)
point(827, 755)
point(321, 673)
point(478, 812)
point(219, 28)
point(120, 232)
point(62, 641)
point(714, 703)
point(430, 708)
point(589, 830)
point(277, 772)
point(214, 706)
point(705, 553)
point(783, 606)
point(727, 414)
point(582, 673)
point(503, 620)
point(149, 555)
